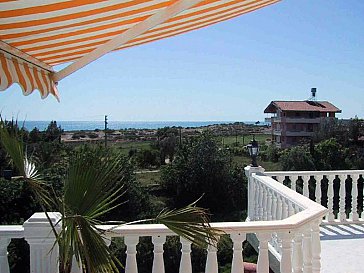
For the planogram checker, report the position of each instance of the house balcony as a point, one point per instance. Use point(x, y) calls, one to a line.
point(297, 120)
point(287, 223)
point(277, 132)
point(299, 134)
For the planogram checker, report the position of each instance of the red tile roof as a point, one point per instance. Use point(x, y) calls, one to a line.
point(307, 106)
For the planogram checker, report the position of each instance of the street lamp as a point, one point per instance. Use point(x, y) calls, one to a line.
point(253, 149)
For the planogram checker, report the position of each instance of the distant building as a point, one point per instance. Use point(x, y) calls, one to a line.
point(294, 122)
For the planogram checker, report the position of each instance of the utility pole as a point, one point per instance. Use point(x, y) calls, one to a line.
point(105, 131)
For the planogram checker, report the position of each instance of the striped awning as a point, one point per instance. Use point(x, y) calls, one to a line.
point(36, 35)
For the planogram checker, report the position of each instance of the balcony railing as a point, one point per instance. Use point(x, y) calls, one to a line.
point(327, 188)
point(285, 223)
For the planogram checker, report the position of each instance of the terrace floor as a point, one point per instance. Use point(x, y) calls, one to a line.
point(342, 248)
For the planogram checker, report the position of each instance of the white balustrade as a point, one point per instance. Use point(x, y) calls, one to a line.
point(282, 220)
point(332, 197)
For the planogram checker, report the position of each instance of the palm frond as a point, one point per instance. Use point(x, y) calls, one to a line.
point(191, 223)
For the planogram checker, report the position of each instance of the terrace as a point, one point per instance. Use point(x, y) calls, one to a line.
point(286, 223)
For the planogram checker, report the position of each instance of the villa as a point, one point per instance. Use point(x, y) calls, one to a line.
point(295, 122)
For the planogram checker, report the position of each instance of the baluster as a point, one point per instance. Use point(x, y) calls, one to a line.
point(316, 247)
point(261, 196)
point(185, 265)
point(4, 264)
point(294, 179)
point(318, 189)
point(274, 206)
point(284, 208)
point(297, 258)
point(158, 262)
point(263, 258)
point(286, 261)
point(354, 192)
point(342, 214)
point(269, 205)
point(211, 261)
point(307, 251)
point(257, 197)
point(279, 207)
point(291, 209)
point(330, 198)
point(131, 265)
point(306, 191)
point(237, 265)
point(264, 204)
point(280, 178)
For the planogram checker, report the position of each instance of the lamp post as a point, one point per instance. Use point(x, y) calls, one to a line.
point(253, 149)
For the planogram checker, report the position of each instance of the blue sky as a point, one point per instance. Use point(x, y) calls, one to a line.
point(228, 71)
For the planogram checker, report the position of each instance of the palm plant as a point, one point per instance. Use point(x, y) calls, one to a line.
point(92, 187)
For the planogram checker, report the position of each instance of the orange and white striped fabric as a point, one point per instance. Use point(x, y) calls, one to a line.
point(60, 31)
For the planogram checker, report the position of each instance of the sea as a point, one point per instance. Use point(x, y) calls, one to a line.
point(117, 125)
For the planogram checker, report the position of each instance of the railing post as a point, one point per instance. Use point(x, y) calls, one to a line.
point(237, 265)
point(40, 237)
point(342, 211)
point(4, 264)
point(158, 262)
point(131, 242)
point(297, 259)
point(316, 247)
point(211, 261)
point(249, 171)
point(263, 258)
point(185, 264)
point(330, 198)
point(307, 251)
point(306, 179)
point(286, 261)
point(354, 192)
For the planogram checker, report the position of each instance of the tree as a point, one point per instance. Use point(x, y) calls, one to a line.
point(53, 132)
point(167, 141)
point(355, 129)
point(297, 159)
point(35, 135)
point(330, 155)
point(201, 168)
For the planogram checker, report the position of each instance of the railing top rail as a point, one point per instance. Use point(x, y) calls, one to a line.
point(291, 223)
point(311, 173)
point(11, 231)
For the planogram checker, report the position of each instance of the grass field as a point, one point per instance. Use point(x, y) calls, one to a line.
point(147, 178)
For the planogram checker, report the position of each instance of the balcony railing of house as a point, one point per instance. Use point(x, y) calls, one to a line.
point(336, 190)
point(285, 223)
